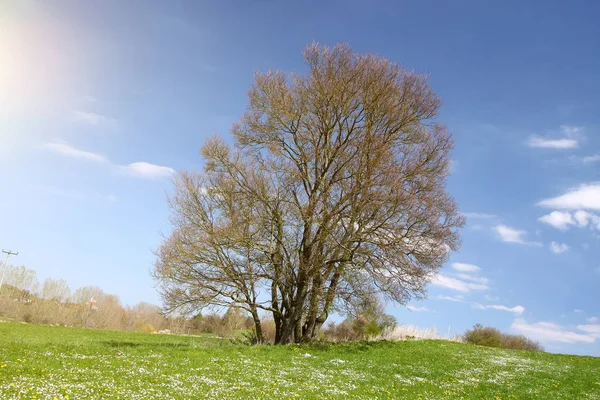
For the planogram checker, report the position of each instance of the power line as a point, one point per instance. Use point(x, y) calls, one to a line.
point(8, 254)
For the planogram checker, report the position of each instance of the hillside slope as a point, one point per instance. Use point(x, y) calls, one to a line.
point(44, 362)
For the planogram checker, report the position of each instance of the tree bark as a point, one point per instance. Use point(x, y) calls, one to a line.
point(257, 326)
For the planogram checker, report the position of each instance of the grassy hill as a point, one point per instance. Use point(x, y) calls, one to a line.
point(44, 362)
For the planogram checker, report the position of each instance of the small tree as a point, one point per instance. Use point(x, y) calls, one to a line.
point(334, 190)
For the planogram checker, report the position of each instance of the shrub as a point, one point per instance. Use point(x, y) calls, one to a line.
point(492, 337)
point(268, 330)
point(342, 332)
point(520, 342)
point(408, 332)
point(147, 328)
point(484, 336)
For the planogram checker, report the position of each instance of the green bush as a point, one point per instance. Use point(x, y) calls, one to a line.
point(364, 326)
point(521, 342)
point(492, 337)
point(484, 336)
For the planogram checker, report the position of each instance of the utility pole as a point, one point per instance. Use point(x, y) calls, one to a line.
point(8, 254)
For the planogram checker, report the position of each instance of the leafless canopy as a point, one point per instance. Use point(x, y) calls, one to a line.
point(334, 190)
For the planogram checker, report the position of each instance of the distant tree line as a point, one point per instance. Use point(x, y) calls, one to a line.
point(24, 298)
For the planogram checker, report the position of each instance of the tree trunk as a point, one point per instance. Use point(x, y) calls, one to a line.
point(286, 335)
point(314, 325)
point(257, 326)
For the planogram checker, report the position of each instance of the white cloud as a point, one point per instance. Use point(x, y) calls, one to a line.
point(516, 309)
point(512, 235)
point(593, 330)
point(591, 159)
point(592, 320)
point(558, 219)
point(418, 309)
point(508, 234)
point(457, 284)
point(491, 298)
point(572, 135)
point(586, 196)
point(67, 150)
point(92, 118)
point(477, 279)
point(562, 220)
point(138, 169)
point(458, 298)
point(112, 198)
point(576, 310)
point(541, 142)
point(147, 170)
point(583, 218)
point(551, 332)
point(558, 248)
point(462, 267)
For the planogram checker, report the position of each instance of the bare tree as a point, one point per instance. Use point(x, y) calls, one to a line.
point(21, 278)
point(56, 290)
point(143, 315)
point(334, 191)
point(107, 311)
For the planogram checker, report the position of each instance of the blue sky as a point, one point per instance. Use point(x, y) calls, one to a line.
point(101, 101)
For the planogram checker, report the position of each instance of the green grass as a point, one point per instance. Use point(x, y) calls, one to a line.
point(44, 362)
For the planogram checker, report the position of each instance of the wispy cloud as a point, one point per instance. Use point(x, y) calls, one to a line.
point(67, 150)
point(462, 267)
point(571, 134)
point(477, 215)
point(551, 332)
point(92, 118)
point(471, 278)
point(147, 170)
point(586, 196)
point(457, 284)
point(418, 309)
point(591, 159)
point(540, 142)
point(137, 169)
point(558, 248)
point(593, 329)
point(515, 310)
point(572, 131)
point(512, 235)
point(457, 298)
point(558, 219)
point(592, 320)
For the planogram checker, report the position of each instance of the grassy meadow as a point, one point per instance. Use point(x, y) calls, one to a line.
point(46, 362)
